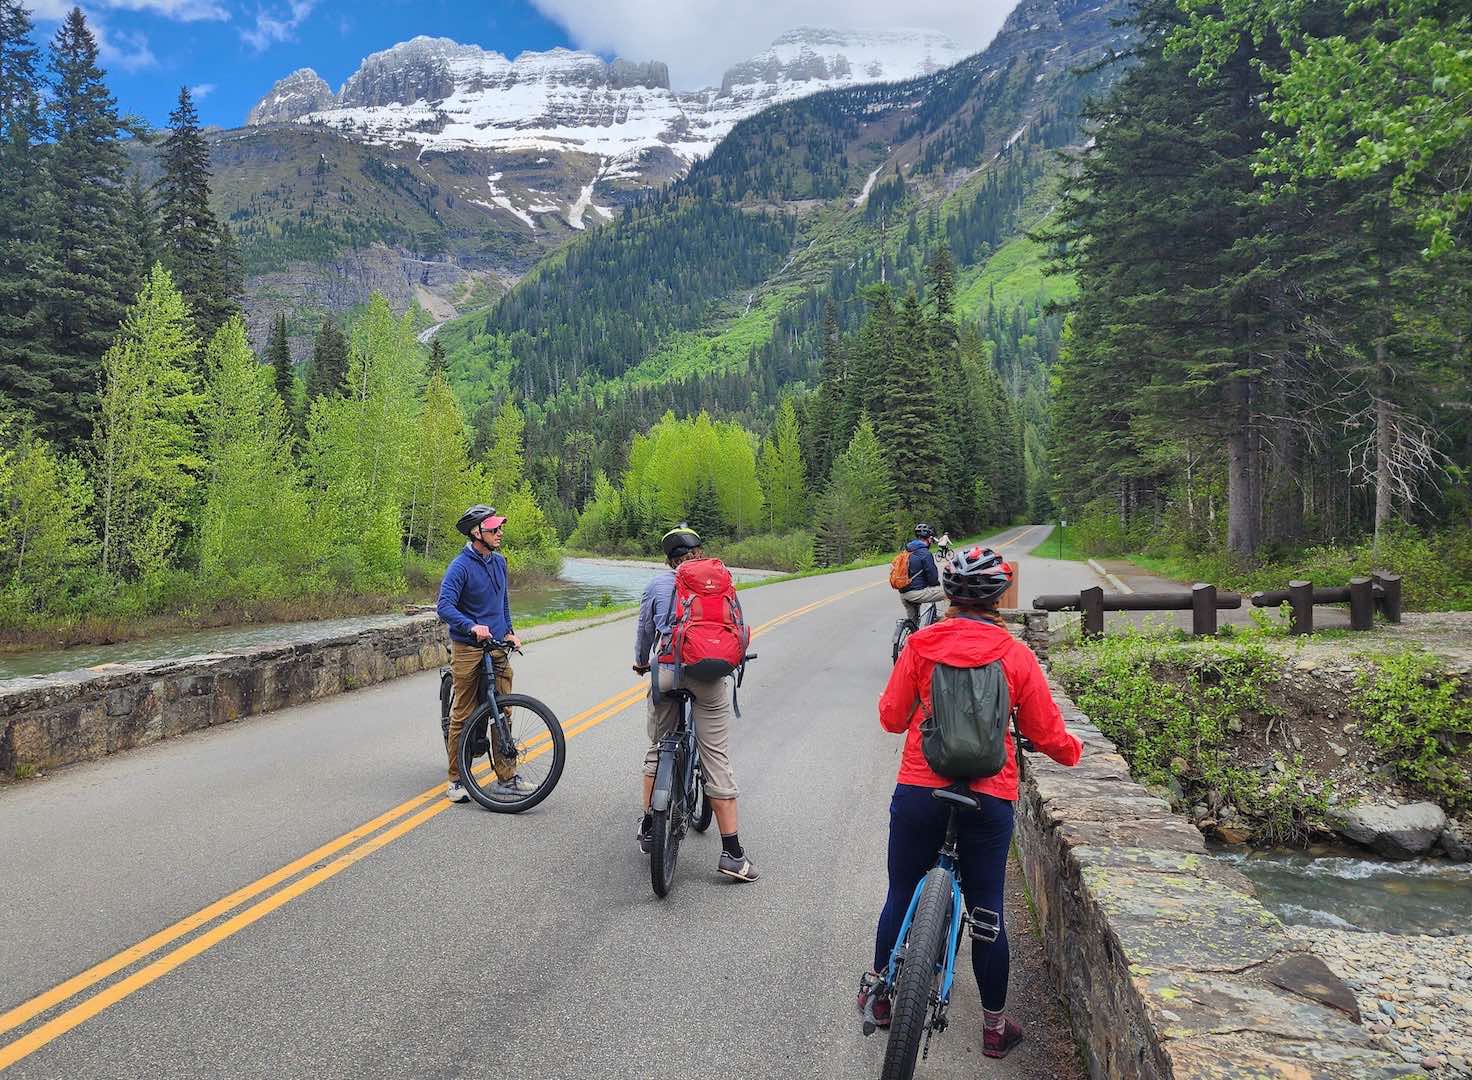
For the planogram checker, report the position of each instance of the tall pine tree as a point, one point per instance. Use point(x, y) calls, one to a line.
point(188, 232)
point(329, 361)
point(96, 257)
point(29, 369)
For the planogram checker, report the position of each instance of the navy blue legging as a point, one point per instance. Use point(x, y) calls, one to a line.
point(917, 828)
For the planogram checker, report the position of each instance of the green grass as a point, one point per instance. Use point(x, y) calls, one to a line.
point(691, 353)
point(1049, 548)
point(1013, 274)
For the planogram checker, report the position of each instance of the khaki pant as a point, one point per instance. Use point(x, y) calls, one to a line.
point(465, 683)
point(711, 712)
point(914, 598)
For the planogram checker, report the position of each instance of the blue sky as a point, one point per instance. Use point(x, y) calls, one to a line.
point(231, 51)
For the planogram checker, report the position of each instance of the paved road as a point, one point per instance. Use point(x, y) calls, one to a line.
point(368, 928)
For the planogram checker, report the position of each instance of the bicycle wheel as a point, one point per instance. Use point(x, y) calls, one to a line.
point(902, 631)
point(538, 752)
point(668, 827)
point(915, 987)
point(702, 811)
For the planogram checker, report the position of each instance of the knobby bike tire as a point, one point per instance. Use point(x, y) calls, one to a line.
point(703, 811)
point(902, 634)
point(664, 849)
point(467, 757)
point(910, 1004)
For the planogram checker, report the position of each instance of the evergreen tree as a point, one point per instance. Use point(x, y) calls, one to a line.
point(909, 421)
point(856, 512)
point(44, 526)
point(278, 356)
point(329, 360)
point(145, 443)
point(29, 368)
point(96, 257)
point(436, 357)
point(442, 476)
point(143, 225)
point(782, 472)
point(188, 232)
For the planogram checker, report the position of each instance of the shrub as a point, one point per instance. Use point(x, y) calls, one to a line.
point(790, 551)
point(1422, 718)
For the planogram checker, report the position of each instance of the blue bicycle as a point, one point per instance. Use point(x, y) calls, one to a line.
point(922, 966)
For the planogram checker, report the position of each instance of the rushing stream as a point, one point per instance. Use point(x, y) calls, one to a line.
point(1345, 891)
point(583, 582)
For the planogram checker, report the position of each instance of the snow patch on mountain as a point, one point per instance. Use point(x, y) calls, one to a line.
point(444, 96)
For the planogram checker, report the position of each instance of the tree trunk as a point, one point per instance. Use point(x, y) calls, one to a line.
point(1243, 490)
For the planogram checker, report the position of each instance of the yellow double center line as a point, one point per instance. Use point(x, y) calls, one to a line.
point(371, 840)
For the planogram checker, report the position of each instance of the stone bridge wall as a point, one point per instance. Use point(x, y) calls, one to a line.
point(1168, 964)
point(53, 720)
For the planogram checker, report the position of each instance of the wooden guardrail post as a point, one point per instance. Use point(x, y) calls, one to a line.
point(1361, 604)
point(1203, 610)
point(1301, 601)
point(1091, 603)
point(1387, 598)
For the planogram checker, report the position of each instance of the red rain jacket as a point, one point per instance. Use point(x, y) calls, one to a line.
point(969, 643)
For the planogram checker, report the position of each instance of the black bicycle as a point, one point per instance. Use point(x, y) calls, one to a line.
point(512, 749)
point(679, 801)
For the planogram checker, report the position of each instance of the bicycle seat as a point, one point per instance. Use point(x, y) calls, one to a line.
point(970, 801)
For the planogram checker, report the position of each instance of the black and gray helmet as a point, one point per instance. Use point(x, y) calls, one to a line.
point(978, 574)
point(924, 532)
point(679, 540)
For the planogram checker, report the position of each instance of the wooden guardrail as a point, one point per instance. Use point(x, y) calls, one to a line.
point(1363, 595)
point(1203, 602)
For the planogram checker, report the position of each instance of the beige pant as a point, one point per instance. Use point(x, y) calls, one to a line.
point(711, 712)
point(465, 676)
point(914, 598)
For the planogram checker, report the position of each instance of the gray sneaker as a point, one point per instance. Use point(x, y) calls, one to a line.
point(515, 788)
point(456, 792)
point(738, 868)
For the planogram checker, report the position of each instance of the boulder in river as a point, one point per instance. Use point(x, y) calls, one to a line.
point(1397, 832)
point(1456, 842)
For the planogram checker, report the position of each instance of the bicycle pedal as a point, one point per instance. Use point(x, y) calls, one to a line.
point(985, 925)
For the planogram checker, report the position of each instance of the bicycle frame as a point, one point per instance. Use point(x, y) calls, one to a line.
point(669, 753)
point(958, 921)
point(984, 924)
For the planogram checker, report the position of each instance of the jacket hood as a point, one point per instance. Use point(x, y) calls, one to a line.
point(917, 545)
point(960, 642)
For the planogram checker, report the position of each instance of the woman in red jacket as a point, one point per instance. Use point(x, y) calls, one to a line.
point(971, 635)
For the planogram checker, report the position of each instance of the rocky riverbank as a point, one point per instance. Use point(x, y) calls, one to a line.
point(1414, 992)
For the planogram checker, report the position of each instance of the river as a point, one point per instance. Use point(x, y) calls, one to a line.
point(1341, 890)
point(583, 582)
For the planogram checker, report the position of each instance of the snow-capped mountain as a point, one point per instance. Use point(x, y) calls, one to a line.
point(444, 96)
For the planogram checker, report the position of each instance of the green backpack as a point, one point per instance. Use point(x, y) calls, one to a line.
point(965, 735)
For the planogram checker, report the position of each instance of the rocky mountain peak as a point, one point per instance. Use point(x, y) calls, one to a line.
point(301, 92)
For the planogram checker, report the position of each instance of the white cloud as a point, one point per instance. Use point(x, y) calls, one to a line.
point(276, 26)
point(202, 91)
point(700, 39)
point(125, 49)
point(179, 10)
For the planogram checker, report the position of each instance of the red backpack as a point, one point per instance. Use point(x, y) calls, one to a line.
point(708, 635)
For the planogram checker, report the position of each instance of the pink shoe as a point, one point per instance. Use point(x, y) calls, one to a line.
point(998, 1044)
point(868, 985)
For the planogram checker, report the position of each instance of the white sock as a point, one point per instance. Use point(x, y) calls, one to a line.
point(993, 1021)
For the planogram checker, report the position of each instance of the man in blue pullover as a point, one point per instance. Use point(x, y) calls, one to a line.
point(475, 603)
point(925, 587)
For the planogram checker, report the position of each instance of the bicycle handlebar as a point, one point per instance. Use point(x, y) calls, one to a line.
point(497, 643)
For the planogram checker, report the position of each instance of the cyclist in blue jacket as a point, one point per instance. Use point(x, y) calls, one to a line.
point(475, 603)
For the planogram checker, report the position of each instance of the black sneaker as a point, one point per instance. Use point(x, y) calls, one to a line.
point(737, 866)
point(646, 835)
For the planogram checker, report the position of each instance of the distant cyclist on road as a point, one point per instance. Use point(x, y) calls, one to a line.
point(475, 603)
point(711, 708)
point(924, 576)
point(971, 635)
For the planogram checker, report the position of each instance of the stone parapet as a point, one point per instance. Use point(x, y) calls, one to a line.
point(54, 720)
point(1170, 967)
